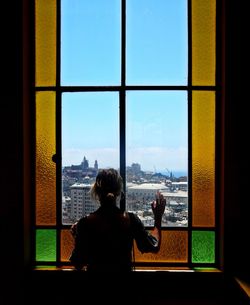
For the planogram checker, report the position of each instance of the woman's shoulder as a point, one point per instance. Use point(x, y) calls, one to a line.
point(82, 221)
point(133, 216)
point(89, 219)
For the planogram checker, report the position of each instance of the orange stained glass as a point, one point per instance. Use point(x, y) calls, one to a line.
point(45, 42)
point(67, 243)
point(203, 42)
point(203, 158)
point(45, 167)
point(174, 248)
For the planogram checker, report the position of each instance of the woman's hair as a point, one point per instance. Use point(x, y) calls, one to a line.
point(108, 185)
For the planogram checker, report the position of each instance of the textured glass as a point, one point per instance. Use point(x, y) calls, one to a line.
point(203, 247)
point(45, 167)
point(91, 42)
point(67, 243)
point(156, 49)
point(203, 158)
point(174, 248)
point(203, 42)
point(45, 42)
point(45, 245)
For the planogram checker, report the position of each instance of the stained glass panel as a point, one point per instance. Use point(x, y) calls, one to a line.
point(45, 42)
point(203, 158)
point(45, 245)
point(67, 243)
point(203, 42)
point(45, 167)
point(203, 247)
point(174, 248)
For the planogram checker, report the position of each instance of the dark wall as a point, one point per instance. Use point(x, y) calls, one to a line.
point(11, 206)
point(237, 169)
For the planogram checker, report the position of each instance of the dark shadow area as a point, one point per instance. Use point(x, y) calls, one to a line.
point(139, 288)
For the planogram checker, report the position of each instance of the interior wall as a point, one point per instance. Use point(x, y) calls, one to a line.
point(237, 165)
point(11, 206)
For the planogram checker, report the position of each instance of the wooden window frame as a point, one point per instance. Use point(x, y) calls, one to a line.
point(122, 94)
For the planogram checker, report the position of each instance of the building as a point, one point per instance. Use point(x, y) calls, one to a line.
point(81, 202)
point(140, 196)
point(82, 170)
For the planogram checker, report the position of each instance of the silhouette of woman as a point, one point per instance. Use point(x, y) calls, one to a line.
point(104, 239)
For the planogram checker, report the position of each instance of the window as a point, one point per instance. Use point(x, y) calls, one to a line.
point(147, 104)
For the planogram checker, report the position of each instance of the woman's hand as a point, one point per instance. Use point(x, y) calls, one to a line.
point(158, 207)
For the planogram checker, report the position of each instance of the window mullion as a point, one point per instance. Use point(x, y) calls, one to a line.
point(58, 135)
point(122, 108)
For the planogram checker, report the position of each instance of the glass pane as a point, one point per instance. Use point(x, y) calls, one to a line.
point(45, 245)
point(203, 247)
point(45, 42)
point(174, 248)
point(90, 141)
point(156, 46)
point(45, 167)
point(67, 243)
point(203, 42)
point(90, 42)
point(203, 158)
point(157, 154)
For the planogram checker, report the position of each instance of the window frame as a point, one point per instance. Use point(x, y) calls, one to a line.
point(122, 89)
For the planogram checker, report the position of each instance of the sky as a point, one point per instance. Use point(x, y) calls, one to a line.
point(156, 54)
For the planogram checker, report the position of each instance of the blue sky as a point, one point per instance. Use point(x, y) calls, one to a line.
point(156, 54)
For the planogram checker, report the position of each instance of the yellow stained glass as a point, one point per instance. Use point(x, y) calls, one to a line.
point(203, 42)
point(45, 167)
point(174, 248)
point(45, 42)
point(203, 158)
point(67, 244)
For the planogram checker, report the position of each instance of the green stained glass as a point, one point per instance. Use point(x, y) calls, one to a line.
point(203, 247)
point(45, 245)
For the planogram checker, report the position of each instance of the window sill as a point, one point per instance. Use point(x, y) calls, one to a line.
point(164, 283)
point(138, 269)
point(148, 285)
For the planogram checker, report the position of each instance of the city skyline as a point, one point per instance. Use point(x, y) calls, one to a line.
point(165, 171)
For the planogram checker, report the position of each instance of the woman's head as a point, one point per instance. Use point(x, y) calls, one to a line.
point(108, 185)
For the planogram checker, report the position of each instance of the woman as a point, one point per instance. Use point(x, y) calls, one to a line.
point(104, 239)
